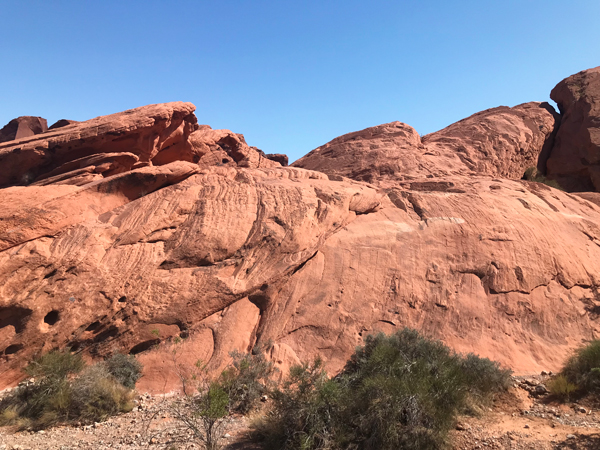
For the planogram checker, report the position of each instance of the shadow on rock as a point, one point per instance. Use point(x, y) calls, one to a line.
point(581, 442)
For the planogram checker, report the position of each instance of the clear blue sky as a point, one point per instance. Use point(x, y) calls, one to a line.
point(291, 75)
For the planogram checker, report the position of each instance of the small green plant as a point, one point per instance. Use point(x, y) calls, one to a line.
point(200, 414)
point(562, 388)
point(532, 174)
point(208, 400)
point(55, 364)
point(125, 368)
point(246, 380)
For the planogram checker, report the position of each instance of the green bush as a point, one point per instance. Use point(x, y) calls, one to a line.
point(97, 395)
point(55, 364)
point(396, 392)
point(303, 410)
point(560, 387)
point(55, 396)
point(484, 377)
point(246, 380)
point(125, 368)
point(583, 368)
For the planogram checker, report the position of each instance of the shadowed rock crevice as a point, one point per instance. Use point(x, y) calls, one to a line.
point(15, 317)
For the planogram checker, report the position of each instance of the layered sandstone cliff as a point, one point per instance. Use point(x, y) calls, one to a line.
point(123, 232)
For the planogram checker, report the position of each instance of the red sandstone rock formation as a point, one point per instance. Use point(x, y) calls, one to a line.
point(62, 123)
point(89, 151)
point(500, 142)
point(575, 158)
point(22, 127)
point(143, 226)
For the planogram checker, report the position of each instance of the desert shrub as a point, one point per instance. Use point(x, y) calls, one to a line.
point(560, 387)
point(396, 392)
point(246, 380)
point(532, 174)
point(55, 364)
point(56, 396)
point(583, 368)
point(200, 416)
point(97, 395)
point(303, 410)
point(484, 377)
point(125, 368)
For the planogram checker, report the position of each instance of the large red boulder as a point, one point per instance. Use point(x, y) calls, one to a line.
point(575, 158)
point(498, 142)
point(502, 142)
point(22, 127)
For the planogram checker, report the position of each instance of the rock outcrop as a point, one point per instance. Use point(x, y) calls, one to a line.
point(127, 231)
point(22, 127)
point(279, 157)
point(223, 147)
point(502, 142)
point(62, 123)
point(79, 153)
point(499, 142)
point(575, 159)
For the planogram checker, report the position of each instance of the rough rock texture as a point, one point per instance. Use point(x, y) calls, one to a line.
point(143, 132)
point(575, 158)
point(62, 123)
point(279, 157)
point(383, 154)
point(223, 147)
point(237, 256)
point(23, 126)
point(500, 142)
point(84, 152)
point(141, 227)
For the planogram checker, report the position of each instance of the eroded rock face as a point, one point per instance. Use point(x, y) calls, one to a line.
point(382, 154)
point(62, 123)
point(575, 158)
point(310, 263)
point(500, 142)
point(143, 132)
point(114, 269)
point(80, 153)
point(224, 148)
point(120, 247)
point(22, 127)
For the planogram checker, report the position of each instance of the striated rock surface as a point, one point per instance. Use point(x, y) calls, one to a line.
point(575, 158)
point(500, 142)
point(383, 154)
point(141, 227)
point(223, 147)
point(23, 126)
point(143, 132)
point(79, 153)
point(234, 257)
